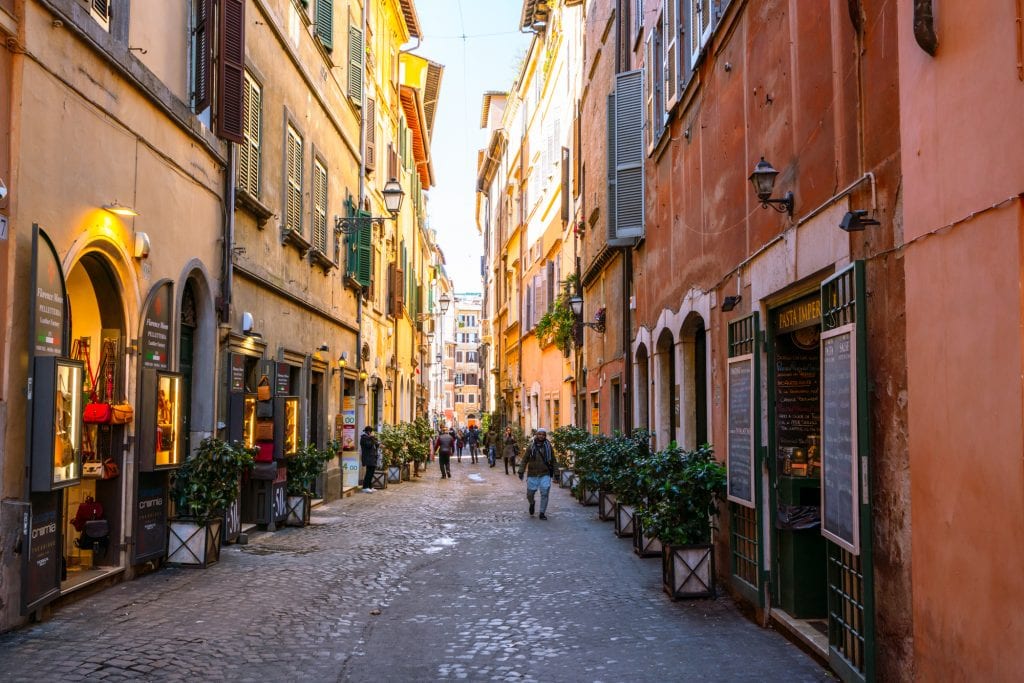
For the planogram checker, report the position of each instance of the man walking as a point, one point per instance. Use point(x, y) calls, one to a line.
point(538, 464)
point(473, 439)
point(368, 456)
point(444, 444)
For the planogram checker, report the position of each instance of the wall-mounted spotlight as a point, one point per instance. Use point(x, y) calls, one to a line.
point(247, 325)
point(763, 180)
point(141, 245)
point(730, 302)
point(855, 221)
point(116, 207)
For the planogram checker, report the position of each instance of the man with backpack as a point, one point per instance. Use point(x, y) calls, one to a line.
point(538, 464)
point(444, 446)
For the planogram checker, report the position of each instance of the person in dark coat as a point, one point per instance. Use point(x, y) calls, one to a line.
point(509, 449)
point(444, 445)
point(368, 455)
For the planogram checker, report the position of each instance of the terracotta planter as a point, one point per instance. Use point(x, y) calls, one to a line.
point(623, 520)
point(644, 545)
point(190, 544)
point(298, 510)
point(688, 571)
point(606, 506)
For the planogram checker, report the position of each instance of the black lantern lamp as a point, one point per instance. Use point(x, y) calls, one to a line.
point(444, 301)
point(763, 180)
point(393, 196)
point(576, 304)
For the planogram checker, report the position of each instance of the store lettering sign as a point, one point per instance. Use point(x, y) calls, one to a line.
point(49, 299)
point(803, 313)
point(237, 373)
point(284, 379)
point(42, 566)
point(151, 516)
point(156, 326)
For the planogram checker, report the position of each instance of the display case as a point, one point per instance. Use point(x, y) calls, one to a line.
point(56, 423)
point(242, 419)
point(286, 426)
point(160, 420)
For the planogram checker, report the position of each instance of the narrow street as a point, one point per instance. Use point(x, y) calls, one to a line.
point(427, 580)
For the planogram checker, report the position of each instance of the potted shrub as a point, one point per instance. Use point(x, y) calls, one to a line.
point(393, 454)
point(683, 490)
point(564, 441)
point(624, 479)
point(203, 488)
point(308, 463)
point(418, 444)
point(588, 467)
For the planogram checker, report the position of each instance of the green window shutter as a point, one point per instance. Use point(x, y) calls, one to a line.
point(629, 155)
point(355, 65)
point(364, 247)
point(325, 23)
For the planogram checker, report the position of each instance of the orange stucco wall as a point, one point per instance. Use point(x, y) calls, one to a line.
point(963, 152)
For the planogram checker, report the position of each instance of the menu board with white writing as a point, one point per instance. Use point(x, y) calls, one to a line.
point(156, 327)
point(151, 517)
point(740, 449)
point(839, 466)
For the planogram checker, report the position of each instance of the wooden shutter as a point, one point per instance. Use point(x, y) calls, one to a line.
point(355, 65)
point(249, 150)
point(629, 155)
point(325, 23)
point(610, 220)
point(364, 248)
point(392, 287)
point(565, 186)
point(102, 8)
point(577, 153)
point(231, 70)
point(293, 187)
point(399, 291)
point(670, 40)
point(552, 284)
point(370, 122)
point(319, 236)
point(204, 54)
point(700, 27)
point(651, 76)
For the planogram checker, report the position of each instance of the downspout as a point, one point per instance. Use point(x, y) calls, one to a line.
point(627, 352)
point(360, 385)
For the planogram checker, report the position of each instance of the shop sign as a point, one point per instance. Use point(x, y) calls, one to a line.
point(237, 373)
point(799, 314)
point(595, 420)
point(49, 297)
point(151, 517)
point(156, 326)
point(839, 467)
point(740, 447)
point(349, 456)
point(41, 529)
point(284, 379)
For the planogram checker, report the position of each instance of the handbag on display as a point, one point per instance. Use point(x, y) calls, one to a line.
point(264, 452)
point(264, 430)
point(263, 389)
point(94, 536)
point(164, 437)
point(110, 468)
point(92, 469)
point(264, 409)
point(97, 413)
point(264, 471)
point(122, 413)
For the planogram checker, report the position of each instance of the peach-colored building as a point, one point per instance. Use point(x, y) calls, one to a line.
point(963, 250)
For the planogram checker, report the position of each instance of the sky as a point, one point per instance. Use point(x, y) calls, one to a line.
point(480, 46)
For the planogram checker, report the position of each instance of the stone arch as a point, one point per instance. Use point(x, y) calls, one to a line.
point(196, 279)
point(693, 381)
point(642, 382)
point(666, 421)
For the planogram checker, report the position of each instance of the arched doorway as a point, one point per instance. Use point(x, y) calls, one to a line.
point(693, 349)
point(643, 388)
point(98, 333)
point(666, 394)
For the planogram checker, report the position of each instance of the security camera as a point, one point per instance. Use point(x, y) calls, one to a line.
point(3, 191)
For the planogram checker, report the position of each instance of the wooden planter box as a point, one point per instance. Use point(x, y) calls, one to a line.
point(395, 474)
point(190, 544)
point(380, 479)
point(586, 497)
point(407, 471)
point(644, 545)
point(623, 520)
point(688, 571)
point(566, 478)
point(606, 506)
point(298, 510)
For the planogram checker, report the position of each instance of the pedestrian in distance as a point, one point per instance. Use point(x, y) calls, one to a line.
point(460, 443)
point(444, 444)
point(509, 449)
point(368, 454)
point(473, 440)
point(538, 464)
point(491, 444)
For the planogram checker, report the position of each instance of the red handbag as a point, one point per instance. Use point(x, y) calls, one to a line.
point(97, 413)
point(264, 452)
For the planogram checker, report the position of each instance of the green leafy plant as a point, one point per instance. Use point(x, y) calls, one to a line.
point(565, 440)
point(558, 325)
point(624, 456)
point(418, 433)
point(681, 491)
point(393, 444)
point(308, 463)
point(207, 482)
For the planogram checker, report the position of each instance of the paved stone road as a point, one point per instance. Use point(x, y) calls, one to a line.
point(428, 580)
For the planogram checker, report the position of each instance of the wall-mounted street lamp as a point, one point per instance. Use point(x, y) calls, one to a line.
point(444, 302)
point(393, 195)
point(576, 304)
point(343, 360)
point(856, 220)
point(362, 374)
point(763, 180)
point(119, 209)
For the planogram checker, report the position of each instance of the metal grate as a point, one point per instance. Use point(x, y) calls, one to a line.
point(743, 545)
point(846, 606)
point(742, 336)
point(839, 300)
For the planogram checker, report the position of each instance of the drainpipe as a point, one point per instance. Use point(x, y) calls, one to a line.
point(627, 328)
point(360, 384)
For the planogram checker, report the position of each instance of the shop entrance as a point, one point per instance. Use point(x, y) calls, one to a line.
point(799, 552)
point(98, 340)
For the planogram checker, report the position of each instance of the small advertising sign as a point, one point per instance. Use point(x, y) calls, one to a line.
point(42, 561)
point(49, 301)
point(156, 326)
point(151, 517)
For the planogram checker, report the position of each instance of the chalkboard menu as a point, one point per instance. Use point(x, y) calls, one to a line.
point(741, 430)
point(797, 391)
point(839, 467)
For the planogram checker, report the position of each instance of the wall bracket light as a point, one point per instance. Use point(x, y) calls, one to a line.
point(763, 180)
point(730, 302)
point(393, 195)
point(576, 304)
point(119, 209)
point(856, 220)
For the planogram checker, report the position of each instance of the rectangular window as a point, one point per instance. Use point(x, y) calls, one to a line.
point(249, 150)
point(293, 181)
point(319, 207)
point(458, 356)
point(670, 53)
point(700, 27)
point(616, 406)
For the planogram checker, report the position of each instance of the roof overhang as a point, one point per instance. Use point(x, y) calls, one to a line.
point(489, 164)
point(485, 110)
point(535, 13)
point(412, 21)
point(412, 105)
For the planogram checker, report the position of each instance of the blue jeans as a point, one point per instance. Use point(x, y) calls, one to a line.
point(491, 455)
point(544, 484)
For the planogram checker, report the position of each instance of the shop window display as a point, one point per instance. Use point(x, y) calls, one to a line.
point(57, 423)
point(168, 422)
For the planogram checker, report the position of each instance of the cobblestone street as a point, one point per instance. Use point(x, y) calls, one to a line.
point(428, 580)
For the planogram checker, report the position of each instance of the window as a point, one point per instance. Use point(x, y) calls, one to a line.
point(700, 27)
point(654, 113)
point(458, 356)
point(470, 356)
point(100, 11)
point(202, 57)
point(319, 207)
point(249, 150)
point(355, 65)
point(628, 222)
point(638, 21)
point(293, 181)
point(670, 52)
point(370, 124)
point(325, 23)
